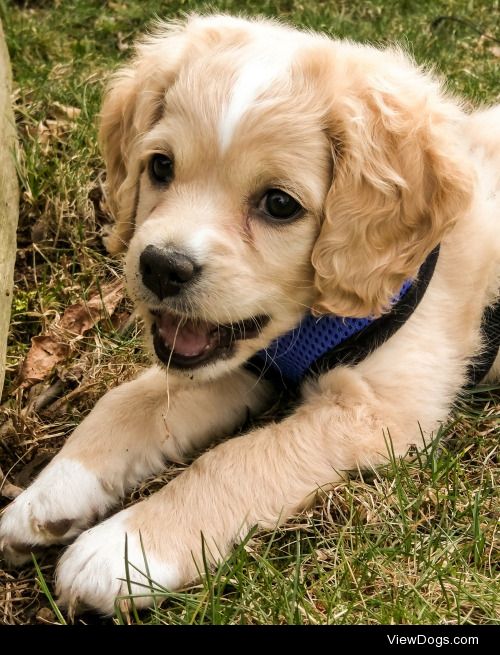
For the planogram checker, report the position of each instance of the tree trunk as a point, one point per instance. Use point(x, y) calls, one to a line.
point(9, 200)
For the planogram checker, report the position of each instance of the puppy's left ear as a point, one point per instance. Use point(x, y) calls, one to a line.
point(400, 181)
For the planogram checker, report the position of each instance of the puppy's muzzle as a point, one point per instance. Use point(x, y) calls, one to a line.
point(165, 271)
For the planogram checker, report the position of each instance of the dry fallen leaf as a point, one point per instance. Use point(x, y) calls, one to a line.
point(79, 318)
point(495, 50)
point(64, 111)
point(57, 127)
point(48, 131)
point(43, 356)
point(49, 350)
point(57, 124)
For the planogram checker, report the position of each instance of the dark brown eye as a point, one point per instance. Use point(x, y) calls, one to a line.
point(161, 168)
point(279, 205)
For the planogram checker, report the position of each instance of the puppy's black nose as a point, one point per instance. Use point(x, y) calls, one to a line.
point(165, 271)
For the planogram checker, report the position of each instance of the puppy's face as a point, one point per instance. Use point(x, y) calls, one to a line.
point(239, 217)
point(233, 178)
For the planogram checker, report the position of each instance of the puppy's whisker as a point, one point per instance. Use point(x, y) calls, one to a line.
point(168, 364)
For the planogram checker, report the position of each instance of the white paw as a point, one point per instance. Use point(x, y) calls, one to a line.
point(64, 499)
point(98, 568)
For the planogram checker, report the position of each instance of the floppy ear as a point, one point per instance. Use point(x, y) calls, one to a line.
point(133, 102)
point(400, 182)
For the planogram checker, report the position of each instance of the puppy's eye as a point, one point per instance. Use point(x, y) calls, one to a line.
point(279, 205)
point(161, 168)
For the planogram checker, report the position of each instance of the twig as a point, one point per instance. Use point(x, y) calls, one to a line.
point(46, 397)
point(60, 402)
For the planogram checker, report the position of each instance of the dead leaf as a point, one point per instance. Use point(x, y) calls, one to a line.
point(57, 127)
point(65, 111)
point(48, 131)
point(52, 348)
point(44, 355)
point(123, 321)
point(79, 318)
point(495, 50)
point(41, 134)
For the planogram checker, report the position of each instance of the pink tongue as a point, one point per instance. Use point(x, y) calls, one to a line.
point(189, 339)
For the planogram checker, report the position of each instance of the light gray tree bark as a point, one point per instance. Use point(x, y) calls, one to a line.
point(9, 200)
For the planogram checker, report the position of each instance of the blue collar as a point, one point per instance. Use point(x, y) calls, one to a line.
point(318, 344)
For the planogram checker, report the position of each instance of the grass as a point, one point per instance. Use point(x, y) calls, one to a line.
point(416, 543)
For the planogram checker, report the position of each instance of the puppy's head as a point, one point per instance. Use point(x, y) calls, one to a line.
point(257, 173)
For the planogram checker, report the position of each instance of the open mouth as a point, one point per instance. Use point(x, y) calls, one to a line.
point(187, 343)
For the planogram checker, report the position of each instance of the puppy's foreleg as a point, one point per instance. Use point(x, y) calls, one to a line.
point(127, 436)
point(258, 479)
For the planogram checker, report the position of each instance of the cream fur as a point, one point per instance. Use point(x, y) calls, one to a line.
point(107, 563)
point(386, 165)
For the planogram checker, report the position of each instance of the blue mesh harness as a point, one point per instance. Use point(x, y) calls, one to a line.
point(319, 344)
point(294, 353)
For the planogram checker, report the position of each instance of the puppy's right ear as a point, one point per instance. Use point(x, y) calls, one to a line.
point(133, 102)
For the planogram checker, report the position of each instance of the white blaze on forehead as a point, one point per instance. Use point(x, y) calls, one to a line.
point(255, 76)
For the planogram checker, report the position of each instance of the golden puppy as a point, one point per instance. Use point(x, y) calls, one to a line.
point(265, 182)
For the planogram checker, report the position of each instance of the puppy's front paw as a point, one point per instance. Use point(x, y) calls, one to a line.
point(109, 561)
point(64, 499)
